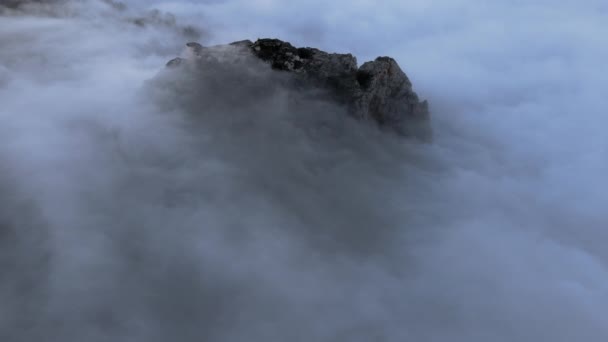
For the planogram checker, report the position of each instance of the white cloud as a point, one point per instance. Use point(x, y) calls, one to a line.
point(149, 224)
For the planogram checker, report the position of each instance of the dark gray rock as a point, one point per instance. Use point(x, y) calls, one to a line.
point(175, 62)
point(22, 3)
point(378, 91)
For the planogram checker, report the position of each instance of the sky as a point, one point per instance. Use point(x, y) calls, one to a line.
point(140, 204)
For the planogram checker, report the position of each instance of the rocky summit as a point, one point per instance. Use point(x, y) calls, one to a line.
point(377, 91)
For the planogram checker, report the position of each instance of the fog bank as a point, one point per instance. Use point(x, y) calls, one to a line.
point(141, 204)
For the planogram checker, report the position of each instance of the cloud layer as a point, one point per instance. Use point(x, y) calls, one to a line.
point(145, 205)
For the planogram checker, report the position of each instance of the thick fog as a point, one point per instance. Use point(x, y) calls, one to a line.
point(139, 203)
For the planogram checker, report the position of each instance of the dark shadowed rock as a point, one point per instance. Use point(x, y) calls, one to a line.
point(27, 4)
point(21, 3)
point(378, 91)
point(175, 62)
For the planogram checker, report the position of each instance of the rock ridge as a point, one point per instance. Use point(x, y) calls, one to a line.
point(377, 91)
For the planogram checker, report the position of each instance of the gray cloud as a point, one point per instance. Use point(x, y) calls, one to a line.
point(141, 204)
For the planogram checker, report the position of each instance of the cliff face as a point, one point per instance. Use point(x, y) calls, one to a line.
point(378, 91)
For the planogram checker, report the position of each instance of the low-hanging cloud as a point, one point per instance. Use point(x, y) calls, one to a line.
point(216, 203)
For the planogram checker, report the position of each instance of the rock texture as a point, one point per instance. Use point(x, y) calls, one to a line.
point(377, 91)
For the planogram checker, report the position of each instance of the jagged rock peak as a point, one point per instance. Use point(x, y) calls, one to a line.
point(377, 91)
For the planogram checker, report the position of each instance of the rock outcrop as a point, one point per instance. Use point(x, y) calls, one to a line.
point(377, 91)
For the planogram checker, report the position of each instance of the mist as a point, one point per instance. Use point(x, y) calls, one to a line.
point(142, 203)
